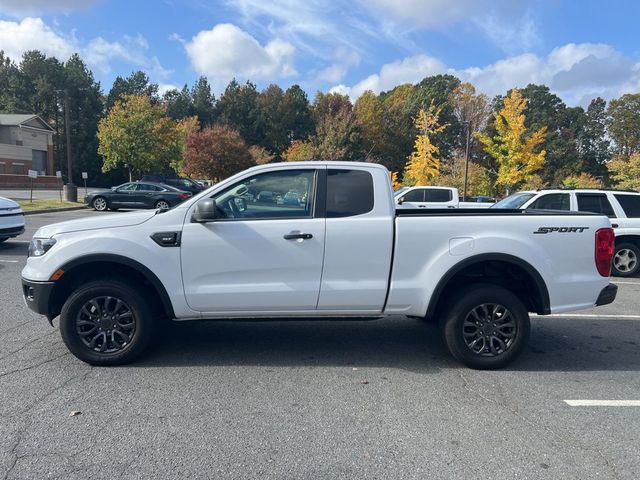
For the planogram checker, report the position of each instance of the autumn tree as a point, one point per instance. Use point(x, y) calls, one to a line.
point(337, 135)
point(184, 128)
point(452, 175)
point(625, 171)
point(472, 111)
point(398, 129)
point(137, 135)
point(395, 183)
point(515, 152)
point(369, 115)
point(424, 163)
point(215, 153)
point(260, 155)
point(584, 180)
point(594, 141)
point(299, 151)
point(624, 124)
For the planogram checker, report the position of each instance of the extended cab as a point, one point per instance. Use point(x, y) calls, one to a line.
point(341, 251)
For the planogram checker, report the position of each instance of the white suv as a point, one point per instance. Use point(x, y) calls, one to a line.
point(621, 206)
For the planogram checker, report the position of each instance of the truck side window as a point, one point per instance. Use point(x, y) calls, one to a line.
point(438, 195)
point(595, 203)
point(630, 204)
point(349, 193)
point(552, 201)
point(416, 195)
point(269, 195)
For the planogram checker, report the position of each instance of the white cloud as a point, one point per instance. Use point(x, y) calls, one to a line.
point(29, 33)
point(508, 23)
point(407, 70)
point(576, 72)
point(33, 34)
point(165, 87)
point(316, 27)
point(344, 60)
point(35, 7)
point(226, 51)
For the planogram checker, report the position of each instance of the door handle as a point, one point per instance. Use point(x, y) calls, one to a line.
point(298, 236)
point(422, 206)
point(614, 225)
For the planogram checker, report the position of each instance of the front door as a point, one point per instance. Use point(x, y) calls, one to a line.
point(124, 195)
point(258, 257)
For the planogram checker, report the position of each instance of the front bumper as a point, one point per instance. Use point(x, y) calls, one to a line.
point(607, 295)
point(11, 232)
point(37, 296)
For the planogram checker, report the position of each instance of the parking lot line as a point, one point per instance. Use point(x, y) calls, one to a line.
point(587, 315)
point(8, 261)
point(626, 283)
point(603, 403)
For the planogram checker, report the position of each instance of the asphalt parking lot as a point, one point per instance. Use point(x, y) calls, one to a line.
point(379, 399)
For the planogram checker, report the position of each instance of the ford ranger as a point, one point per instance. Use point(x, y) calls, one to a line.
point(340, 251)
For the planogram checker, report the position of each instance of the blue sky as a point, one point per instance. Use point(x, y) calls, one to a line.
point(581, 49)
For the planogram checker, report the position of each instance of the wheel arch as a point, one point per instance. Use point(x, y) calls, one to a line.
point(634, 239)
point(483, 268)
point(83, 268)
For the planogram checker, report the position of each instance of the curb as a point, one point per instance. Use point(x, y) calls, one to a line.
point(53, 210)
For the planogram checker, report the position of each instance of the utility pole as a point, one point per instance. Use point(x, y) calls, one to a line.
point(466, 161)
point(70, 190)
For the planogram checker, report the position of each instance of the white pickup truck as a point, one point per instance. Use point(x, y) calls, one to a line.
point(338, 250)
point(433, 197)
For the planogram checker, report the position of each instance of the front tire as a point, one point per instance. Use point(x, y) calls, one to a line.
point(106, 322)
point(99, 204)
point(626, 260)
point(485, 327)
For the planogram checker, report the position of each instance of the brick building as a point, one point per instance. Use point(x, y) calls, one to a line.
point(26, 143)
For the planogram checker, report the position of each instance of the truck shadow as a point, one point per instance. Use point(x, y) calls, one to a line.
point(556, 345)
point(407, 344)
point(14, 248)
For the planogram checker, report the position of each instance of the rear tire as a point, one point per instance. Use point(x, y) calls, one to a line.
point(485, 327)
point(626, 260)
point(162, 205)
point(106, 322)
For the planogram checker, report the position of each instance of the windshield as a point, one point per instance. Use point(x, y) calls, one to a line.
point(514, 201)
point(401, 191)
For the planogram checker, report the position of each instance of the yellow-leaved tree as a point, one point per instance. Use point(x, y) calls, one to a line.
point(584, 180)
point(424, 165)
point(394, 180)
point(625, 171)
point(515, 152)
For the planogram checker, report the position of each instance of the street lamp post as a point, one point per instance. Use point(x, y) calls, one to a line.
point(466, 161)
point(70, 190)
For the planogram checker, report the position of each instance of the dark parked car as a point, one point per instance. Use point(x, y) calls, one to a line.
point(136, 195)
point(185, 184)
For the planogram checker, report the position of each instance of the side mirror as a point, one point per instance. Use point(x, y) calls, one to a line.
point(114, 188)
point(206, 211)
point(400, 201)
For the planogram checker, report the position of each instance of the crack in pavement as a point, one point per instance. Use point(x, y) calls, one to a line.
point(30, 342)
point(31, 367)
point(467, 386)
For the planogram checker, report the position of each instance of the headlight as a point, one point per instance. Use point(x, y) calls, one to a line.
point(40, 246)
